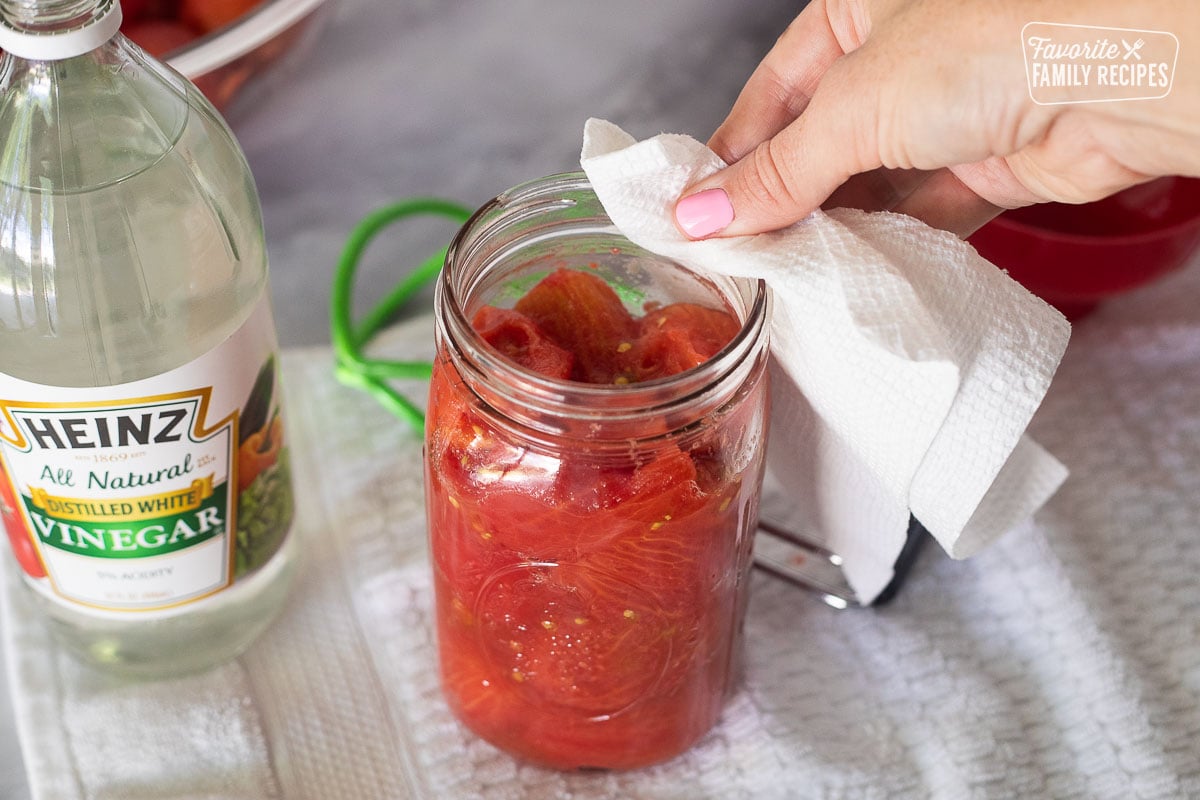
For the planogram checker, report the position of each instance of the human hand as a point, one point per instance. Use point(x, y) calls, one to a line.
point(922, 107)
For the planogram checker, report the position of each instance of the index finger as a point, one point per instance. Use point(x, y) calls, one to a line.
point(781, 86)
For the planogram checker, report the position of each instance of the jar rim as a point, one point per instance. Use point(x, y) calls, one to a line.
point(493, 377)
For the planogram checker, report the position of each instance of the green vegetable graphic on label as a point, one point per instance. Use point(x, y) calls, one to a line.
point(258, 404)
point(265, 501)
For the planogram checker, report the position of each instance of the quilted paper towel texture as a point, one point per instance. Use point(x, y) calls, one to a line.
point(906, 367)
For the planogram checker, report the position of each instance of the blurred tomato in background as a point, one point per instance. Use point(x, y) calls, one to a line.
point(161, 26)
point(223, 45)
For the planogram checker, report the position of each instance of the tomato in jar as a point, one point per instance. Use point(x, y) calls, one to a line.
point(590, 556)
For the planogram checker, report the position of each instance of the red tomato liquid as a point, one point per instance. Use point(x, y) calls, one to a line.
point(589, 602)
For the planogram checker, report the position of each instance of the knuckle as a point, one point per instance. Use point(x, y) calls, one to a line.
point(782, 93)
point(850, 22)
point(770, 178)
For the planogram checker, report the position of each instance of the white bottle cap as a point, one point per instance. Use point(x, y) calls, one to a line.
point(55, 45)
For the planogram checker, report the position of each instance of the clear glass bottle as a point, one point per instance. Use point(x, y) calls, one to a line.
point(590, 541)
point(138, 378)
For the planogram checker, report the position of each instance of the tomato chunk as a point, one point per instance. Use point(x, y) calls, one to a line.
point(677, 338)
point(516, 336)
point(583, 315)
point(208, 15)
point(573, 325)
point(159, 36)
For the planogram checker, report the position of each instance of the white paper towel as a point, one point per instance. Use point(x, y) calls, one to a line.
point(906, 367)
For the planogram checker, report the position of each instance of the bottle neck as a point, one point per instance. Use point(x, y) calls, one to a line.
point(52, 30)
point(50, 15)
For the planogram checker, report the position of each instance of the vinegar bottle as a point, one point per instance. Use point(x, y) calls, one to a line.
point(146, 486)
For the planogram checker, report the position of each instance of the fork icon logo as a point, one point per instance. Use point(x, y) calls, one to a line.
point(1133, 49)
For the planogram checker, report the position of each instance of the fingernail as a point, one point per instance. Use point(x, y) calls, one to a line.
point(704, 213)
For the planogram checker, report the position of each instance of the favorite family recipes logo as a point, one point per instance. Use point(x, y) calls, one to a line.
point(1086, 64)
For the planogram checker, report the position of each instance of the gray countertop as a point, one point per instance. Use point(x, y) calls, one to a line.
point(464, 100)
point(460, 100)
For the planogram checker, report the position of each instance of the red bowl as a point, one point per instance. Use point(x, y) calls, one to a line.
point(1075, 256)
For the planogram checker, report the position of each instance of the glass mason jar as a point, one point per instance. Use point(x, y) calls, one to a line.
point(590, 543)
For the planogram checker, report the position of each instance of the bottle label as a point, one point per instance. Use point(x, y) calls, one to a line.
point(151, 495)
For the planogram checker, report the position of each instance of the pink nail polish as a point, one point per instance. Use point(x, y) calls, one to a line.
point(704, 213)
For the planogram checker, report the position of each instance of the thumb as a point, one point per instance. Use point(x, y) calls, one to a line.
point(788, 176)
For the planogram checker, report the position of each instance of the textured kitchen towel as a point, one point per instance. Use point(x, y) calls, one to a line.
point(1062, 662)
point(906, 367)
